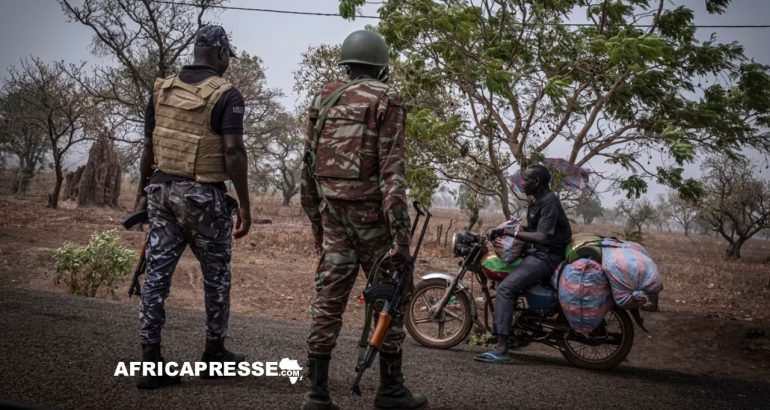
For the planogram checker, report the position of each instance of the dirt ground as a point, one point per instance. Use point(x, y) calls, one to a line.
point(714, 319)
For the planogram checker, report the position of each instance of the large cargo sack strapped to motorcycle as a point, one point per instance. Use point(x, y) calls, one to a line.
point(617, 243)
point(496, 269)
point(632, 274)
point(584, 294)
point(506, 247)
point(584, 245)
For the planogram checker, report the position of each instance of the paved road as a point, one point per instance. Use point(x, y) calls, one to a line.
point(61, 352)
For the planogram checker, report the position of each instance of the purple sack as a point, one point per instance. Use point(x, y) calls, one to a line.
point(631, 272)
point(584, 295)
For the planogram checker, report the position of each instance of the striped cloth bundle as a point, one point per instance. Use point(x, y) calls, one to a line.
point(632, 274)
point(584, 295)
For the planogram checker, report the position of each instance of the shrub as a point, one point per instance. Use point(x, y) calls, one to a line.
point(85, 268)
point(634, 235)
point(485, 339)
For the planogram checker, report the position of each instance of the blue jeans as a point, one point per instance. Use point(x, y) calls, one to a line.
point(534, 269)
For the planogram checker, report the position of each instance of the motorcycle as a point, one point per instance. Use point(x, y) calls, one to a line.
point(443, 310)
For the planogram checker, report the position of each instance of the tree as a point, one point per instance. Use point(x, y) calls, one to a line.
point(736, 205)
point(55, 106)
point(638, 212)
point(20, 138)
point(611, 90)
point(271, 135)
point(589, 210)
point(702, 224)
point(317, 67)
point(262, 102)
point(471, 203)
point(279, 154)
point(146, 39)
point(662, 213)
point(683, 212)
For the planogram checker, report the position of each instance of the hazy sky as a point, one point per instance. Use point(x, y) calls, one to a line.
point(38, 27)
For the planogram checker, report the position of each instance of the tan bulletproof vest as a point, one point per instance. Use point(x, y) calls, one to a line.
point(183, 141)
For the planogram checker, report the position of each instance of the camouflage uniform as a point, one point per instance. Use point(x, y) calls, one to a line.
point(359, 164)
point(181, 213)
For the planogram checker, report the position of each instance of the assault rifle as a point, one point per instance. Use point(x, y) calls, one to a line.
point(392, 295)
point(129, 222)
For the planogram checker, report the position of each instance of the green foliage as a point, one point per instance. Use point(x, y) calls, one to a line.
point(348, 8)
point(636, 51)
point(511, 83)
point(717, 6)
point(589, 209)
point(85, 268)
point(422, 181)
point(486, 339)
point(471, 203)
point(634, 186)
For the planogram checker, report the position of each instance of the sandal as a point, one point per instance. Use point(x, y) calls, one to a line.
point(491, 357)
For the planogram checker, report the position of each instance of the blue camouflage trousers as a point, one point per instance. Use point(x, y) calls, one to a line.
point(180, 214)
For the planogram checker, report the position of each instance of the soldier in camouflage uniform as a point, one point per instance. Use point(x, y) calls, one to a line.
point(354, 192)
point(193, 143)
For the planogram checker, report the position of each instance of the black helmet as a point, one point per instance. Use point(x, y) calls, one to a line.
point(364, 47)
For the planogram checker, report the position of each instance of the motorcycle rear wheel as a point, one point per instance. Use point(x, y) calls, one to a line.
point(606, 349)
point(449, 328)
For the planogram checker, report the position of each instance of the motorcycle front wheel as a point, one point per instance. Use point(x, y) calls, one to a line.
point(444, 330)
point(605, 347)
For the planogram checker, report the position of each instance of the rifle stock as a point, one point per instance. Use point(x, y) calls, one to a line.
point(133, 219)
point(135, 289)
point(378, 337)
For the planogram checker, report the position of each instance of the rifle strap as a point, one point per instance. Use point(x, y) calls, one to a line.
point(310, 156)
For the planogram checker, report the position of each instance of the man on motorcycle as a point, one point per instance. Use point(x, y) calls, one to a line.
point(547, 234)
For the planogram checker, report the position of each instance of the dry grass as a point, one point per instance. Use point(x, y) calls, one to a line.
point(273, 269)
point(273, 266)
point(696, 277)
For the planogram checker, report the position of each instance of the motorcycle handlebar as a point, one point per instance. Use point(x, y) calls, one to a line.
point(420, 208)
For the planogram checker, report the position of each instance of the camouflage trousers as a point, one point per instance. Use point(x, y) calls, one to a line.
point(360, 238)
point(183, 213)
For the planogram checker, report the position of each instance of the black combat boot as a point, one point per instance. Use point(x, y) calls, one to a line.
point(392, 394)
point(151, 353)
point(317, 398)
point(215, 352)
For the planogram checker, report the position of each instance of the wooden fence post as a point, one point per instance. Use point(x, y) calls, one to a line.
point(446, 234)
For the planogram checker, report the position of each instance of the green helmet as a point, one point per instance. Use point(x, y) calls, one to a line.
point(364, 47)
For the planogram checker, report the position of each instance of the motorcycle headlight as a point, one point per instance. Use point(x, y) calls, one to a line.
point(462, 243)
point(456, 240)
